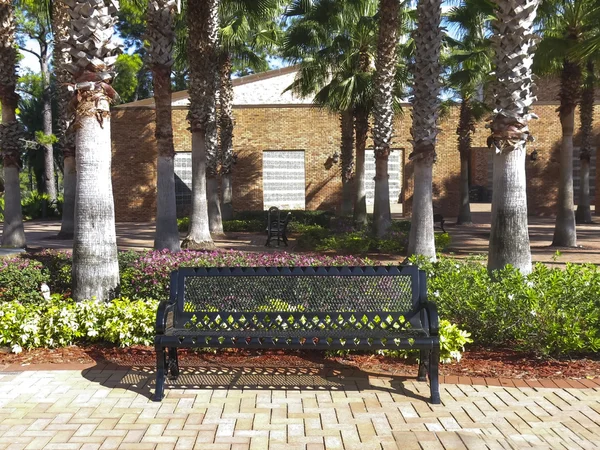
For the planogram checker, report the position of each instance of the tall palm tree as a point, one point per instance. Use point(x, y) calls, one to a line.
point(335, 43)
point(13, 234)
point(64, 117)
point(246, 29)
point(35, 24)
point(586, 115)
point(565, 23)
point(203, 22)
point(470, 65)
point(95, 266)
point(514, 45)
point(426, 102)
point(383, 111)
point(161, 39)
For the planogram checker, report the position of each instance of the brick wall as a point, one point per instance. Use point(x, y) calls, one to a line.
point(317, 133)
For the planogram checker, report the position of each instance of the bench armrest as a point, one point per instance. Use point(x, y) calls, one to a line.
point(165, 309)
point(432, 317)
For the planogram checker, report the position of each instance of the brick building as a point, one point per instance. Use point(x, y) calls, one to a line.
point(286, 152)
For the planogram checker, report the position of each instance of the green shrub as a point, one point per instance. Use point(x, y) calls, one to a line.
point(312, 237)
point(244, 225)
point(32, 206)
point(442, 241)
point(21, 279)
point(59, 322)
point(321, 218)
point(357, 242)
point(183, 224)
point(552, 311)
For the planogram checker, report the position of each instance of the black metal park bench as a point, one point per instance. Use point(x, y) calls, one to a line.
point(320, 308)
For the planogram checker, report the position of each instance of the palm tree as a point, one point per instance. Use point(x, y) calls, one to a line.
point(247, 28)
point(65, 136)
point(161, 39)
point(514, 44)
point(383, 111)
point(565, 23)
point(95, 266)
point(470, 64)
point(427, 71)
point(203, 22)
point(335, 42)
point(35, 24)
point(13, 234)
point(586, 115)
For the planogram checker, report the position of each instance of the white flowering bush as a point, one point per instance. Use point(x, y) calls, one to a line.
point(58, 322)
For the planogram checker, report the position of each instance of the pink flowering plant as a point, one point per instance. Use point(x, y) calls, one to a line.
point(149, 275)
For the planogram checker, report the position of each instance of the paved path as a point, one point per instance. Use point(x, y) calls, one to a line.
point(285, 409)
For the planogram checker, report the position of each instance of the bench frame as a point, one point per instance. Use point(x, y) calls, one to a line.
point(171, 313)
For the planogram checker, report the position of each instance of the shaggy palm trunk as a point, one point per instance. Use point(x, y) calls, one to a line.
point(226, 128)
point(49, 183)
point(347, 159)
point(383, 112)
point(95, 266)
point(202, 22)
point(360, 196)
point(565, 232)
point(424, 130)
point(514, 45)
point(466, 126)
point(584, 214)
point(167, 233)
point(65, 135)
point(13, 234)
point(161, 38)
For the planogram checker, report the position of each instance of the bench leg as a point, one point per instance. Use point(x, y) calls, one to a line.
point(161, 362)
point(173, 362)
point(423, 365)
point(434, 381)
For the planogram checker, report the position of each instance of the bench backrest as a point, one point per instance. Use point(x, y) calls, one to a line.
point(298, 289)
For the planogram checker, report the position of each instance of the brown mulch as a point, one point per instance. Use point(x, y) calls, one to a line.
point(476, 362)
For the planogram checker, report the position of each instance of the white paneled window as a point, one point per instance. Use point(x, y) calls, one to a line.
point(394, 170)
point(183, 178)
point(284, 181)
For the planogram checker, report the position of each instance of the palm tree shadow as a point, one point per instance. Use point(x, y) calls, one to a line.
point(334, 377)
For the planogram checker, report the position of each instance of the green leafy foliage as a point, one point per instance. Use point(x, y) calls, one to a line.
point(244, 225)
point(21, 279)
point(552, 311)
point(126, 80)
point(58, 322)
point(32, 206)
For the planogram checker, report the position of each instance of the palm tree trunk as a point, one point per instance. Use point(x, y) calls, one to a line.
point(465, 128)
point(421, 239)
point(212, 170)
point(383, 112)
point(202, 22)
point(49, 183)
point(509, 240)
point(514, 47)
point(13, 234)
point(424, 130)
point(360, 197)
point(347, 159)
point(65, 136)
point(95, 266)
point(584, 214)
point(167, 234)
point(226, 122)
point(565, 232)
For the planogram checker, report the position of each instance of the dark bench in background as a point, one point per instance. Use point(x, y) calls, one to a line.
point(320, 308)
point(277, 227)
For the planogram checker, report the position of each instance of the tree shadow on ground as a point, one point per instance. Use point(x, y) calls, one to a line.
point(333, 376)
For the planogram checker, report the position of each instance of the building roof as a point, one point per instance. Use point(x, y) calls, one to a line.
point(265, 88)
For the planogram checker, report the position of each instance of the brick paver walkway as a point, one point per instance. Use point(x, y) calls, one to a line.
point(287, 409)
